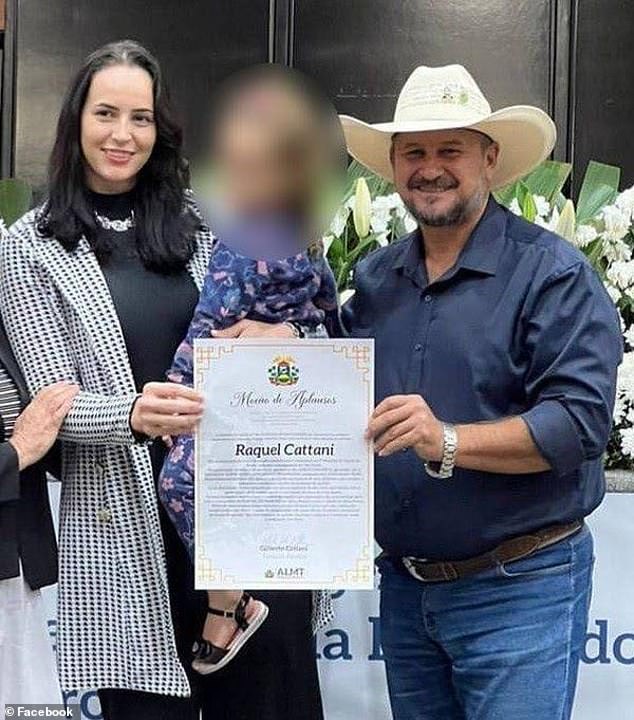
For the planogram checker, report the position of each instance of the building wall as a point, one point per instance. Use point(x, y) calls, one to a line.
point(573, 58)
point(603, 93)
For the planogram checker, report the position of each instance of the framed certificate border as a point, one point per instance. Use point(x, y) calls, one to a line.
point(360, 576)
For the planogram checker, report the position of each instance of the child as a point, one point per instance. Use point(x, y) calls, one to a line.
point(258, 271)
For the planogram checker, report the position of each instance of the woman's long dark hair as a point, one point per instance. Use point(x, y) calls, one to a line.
point(165, 221)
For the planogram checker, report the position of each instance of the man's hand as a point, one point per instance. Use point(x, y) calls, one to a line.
point(166, 408)
point(254, 329)
point(37, 426)
point(406, 421)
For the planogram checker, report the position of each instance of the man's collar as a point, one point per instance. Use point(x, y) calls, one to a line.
point(480, 254)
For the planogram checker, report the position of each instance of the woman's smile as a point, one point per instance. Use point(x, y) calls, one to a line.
point(118, 157)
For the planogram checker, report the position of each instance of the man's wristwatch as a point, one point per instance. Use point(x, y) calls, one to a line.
point(449, 450)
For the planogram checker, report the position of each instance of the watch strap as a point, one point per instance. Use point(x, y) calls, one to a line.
point(449, 451)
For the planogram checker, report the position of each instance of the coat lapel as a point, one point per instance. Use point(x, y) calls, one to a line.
point(79, 279)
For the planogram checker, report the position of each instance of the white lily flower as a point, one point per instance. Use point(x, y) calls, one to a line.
point(549, 223)
point(381, 214)
point(362, 210)
point(615, 251)
point(383, 203)
point(620, 407)
point(542, 205)
point(395, 200)
point(409, 223)
point(567, 220)
point(327, 240)
point(616, 223)
point(625, 377)
point(345, 296)
point(338, 224)
point(584, 235)
point(515, 208)
point(627, 442)
point(614, 293)
point(621, 274)
point(625, 202)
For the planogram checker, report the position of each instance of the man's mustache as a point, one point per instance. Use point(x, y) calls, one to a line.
point(434, 186)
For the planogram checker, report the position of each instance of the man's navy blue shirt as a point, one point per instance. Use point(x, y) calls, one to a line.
point(520, 326)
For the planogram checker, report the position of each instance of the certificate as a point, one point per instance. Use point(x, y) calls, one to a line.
point(284, 476)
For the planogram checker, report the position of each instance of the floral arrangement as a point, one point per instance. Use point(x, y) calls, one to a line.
point(601, 225)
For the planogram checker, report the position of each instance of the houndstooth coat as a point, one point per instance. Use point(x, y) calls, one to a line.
point(114, 625)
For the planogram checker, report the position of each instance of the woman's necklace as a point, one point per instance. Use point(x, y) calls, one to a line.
point(116, 225)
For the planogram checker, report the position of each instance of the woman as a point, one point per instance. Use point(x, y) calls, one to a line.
point(99, 286)
point(28, 552)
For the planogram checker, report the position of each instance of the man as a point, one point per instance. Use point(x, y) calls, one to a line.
point(497, 349)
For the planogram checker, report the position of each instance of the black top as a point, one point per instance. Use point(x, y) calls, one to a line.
point(154, 309)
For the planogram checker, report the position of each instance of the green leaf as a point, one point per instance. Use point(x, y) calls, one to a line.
point(16, 198)
point(336, 252)
point(599, 188)
point(547, 180)
point(377, 185)
point(529, 208)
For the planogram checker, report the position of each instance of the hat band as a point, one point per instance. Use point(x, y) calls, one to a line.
point(439, 112)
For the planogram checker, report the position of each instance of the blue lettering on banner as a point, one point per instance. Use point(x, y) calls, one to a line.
point(377, 650)
point(600, 648)
point(337, 650)
point(618, 645)
point(88, 703)
point(597, 646)
point(341, 650)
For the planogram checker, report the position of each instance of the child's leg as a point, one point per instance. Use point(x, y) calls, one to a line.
point(176, 489)
point(232, 619)
point(224, 635)
point(220, 630)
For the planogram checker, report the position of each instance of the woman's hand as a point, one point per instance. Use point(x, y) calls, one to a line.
point(253, 329)
point(37, 426)
point(166, 408)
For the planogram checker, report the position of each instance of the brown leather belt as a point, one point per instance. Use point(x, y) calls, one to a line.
point(508, 551)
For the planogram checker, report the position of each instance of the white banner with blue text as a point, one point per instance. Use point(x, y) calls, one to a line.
point(349, 652)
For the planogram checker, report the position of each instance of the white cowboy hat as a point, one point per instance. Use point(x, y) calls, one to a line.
point(446, 98)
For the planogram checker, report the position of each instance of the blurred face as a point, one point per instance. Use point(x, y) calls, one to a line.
point(249, 166)
point(117, 128)
point(263, 149)
point(444, 177)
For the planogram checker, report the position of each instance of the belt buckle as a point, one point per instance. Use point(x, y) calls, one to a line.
point(447, 576)
point(408, 562)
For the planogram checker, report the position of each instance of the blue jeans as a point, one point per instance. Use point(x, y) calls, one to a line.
point(501, 645)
